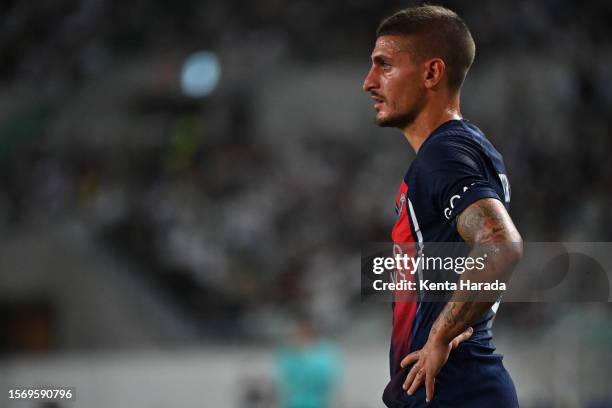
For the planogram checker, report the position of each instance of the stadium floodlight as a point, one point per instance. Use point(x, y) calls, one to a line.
point(200, 74)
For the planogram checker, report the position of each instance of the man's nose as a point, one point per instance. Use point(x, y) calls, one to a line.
point(369, 82)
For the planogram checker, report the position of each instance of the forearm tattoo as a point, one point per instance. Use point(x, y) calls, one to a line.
point(486, 223)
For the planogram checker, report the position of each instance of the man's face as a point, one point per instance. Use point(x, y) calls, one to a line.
point(395, 83)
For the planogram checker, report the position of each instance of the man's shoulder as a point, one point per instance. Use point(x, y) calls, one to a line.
point(447, 146)
point(453, 134)
point(457, 140)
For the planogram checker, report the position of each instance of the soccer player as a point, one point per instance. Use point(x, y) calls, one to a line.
point(455, 190)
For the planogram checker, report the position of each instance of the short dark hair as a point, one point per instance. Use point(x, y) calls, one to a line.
point(440, 32)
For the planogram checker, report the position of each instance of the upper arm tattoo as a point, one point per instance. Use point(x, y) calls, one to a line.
point(487, 221)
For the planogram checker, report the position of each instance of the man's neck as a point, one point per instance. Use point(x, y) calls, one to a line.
point(429, 120)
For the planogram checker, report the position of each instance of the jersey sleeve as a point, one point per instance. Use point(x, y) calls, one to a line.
point(459, 176)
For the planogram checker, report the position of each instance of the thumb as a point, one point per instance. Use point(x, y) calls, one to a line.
point(462, 337)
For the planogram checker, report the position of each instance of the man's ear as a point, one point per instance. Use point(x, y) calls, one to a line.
point(434, 71)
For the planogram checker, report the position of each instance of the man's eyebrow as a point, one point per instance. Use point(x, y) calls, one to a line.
point(379, 58)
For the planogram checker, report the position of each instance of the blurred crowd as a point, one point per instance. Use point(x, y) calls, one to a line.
point(243, 224)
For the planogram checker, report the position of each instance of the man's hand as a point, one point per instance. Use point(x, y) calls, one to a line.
point(428, 361)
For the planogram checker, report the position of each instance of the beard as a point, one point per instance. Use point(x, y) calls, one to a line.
point(404, 119)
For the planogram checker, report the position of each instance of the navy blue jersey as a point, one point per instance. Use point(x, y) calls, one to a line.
point(455, 167)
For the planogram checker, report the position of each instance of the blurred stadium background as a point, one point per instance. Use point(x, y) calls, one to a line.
point(185, 188)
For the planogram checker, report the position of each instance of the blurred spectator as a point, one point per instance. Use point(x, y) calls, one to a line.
point(309, 369)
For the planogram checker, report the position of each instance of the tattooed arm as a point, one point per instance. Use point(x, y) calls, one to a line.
point(487, 226)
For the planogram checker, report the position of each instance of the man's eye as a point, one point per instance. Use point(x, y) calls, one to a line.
point(386, 66)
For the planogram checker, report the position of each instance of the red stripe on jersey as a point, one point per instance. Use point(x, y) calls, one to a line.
point(401, 230)
point(404, 309)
